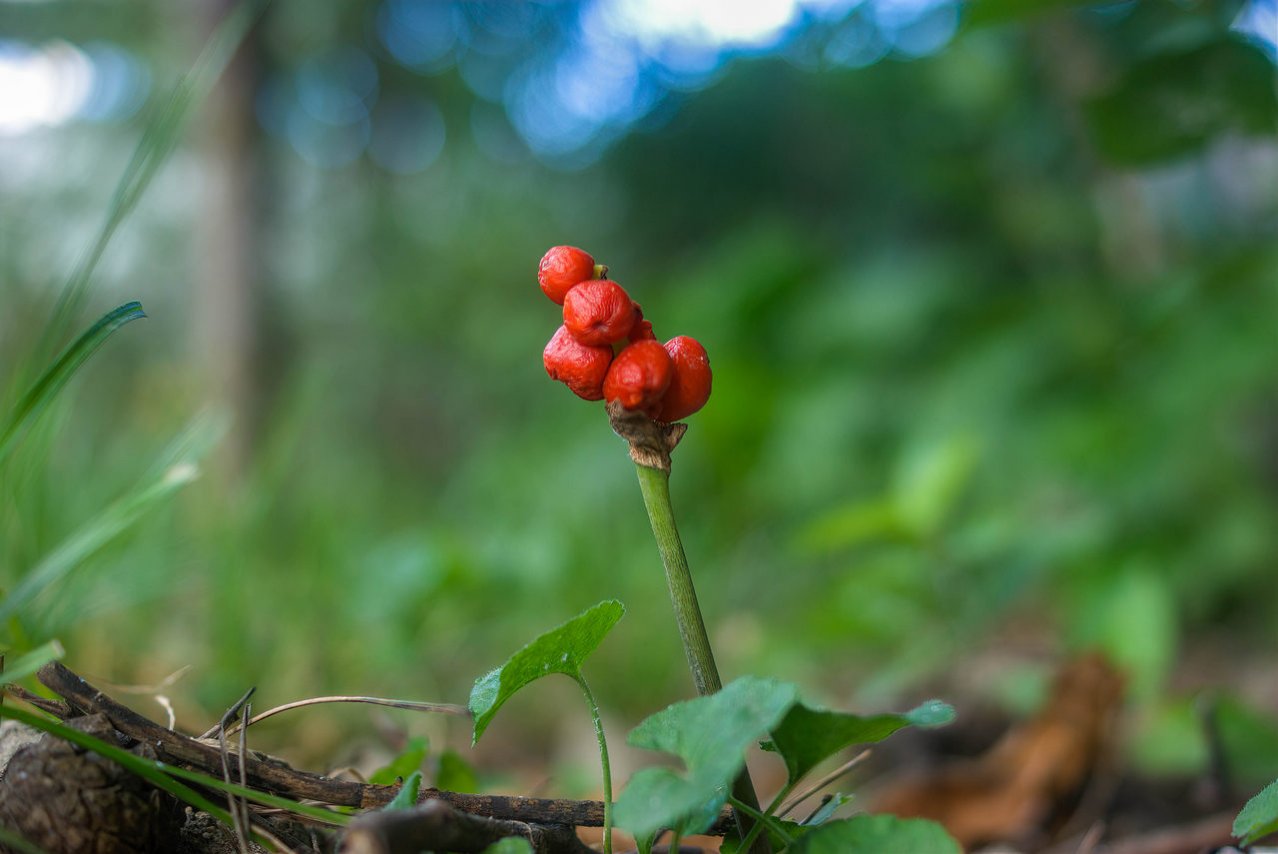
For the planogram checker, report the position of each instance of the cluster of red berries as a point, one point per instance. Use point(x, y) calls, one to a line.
point(606, 350)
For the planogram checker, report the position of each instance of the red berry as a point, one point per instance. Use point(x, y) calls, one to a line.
point(598, 312)
point(639, 376)
point(561, 268)
point(690, 387)
point(642, 330)
point(579, 366)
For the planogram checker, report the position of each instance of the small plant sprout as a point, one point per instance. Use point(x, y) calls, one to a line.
point(560, 650)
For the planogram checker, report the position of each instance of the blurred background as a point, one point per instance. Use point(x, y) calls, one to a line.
point(990, 290)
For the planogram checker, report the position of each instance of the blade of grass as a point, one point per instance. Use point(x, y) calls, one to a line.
point(43, 390)
point(28, 663)
point(158, 140)
point(161, 774)
point(177, 467)
point(17, 843)
point(264, 798)
point(146, 769)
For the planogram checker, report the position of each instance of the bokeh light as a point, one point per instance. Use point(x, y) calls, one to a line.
point(57, 82)
point(41, 86)
point(1258, 21)
point(420, 36)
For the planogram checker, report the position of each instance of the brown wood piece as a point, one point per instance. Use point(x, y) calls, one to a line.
point(436, 826)
point(276, 777)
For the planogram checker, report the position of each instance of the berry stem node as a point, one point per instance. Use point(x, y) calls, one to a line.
point(651, 443)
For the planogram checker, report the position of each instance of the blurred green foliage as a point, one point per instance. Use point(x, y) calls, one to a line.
point(994, 344)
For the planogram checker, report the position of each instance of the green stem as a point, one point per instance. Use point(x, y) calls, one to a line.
point(762, 819)
point(769, 812)
point(603, 761)
point(781, 796)
point(655, 485)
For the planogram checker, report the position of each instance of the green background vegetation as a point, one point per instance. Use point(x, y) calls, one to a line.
point(995, 340)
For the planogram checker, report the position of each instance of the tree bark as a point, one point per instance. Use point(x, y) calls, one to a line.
point(228, 300)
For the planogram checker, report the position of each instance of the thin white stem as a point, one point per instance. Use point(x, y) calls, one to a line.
point(441, 708)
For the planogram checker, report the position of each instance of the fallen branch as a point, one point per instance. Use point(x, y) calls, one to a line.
point(436, 826)
point(272, 775)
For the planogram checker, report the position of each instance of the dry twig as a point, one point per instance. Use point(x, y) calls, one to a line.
point(271, 775)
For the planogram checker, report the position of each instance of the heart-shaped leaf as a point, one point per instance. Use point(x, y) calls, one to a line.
point(876, 834)
point(1260, 816)
point(710, 734)
point(560, 650)
point(808, 735)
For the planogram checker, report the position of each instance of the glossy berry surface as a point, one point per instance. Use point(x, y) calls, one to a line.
point(599, 312)
point(561, 268)
point(639, 376)
point(690, 386)
point(579, 366)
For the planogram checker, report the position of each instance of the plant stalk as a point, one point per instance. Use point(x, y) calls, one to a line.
point(655, 485)
point(603, 761)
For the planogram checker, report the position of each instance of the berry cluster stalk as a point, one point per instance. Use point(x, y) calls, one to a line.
point(654, 482)
point(655, 485)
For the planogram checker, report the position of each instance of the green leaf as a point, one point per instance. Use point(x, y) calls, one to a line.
point(560, 650)
point(404, 764)
point(878, 834)
point(455, 774)
point(406, 797)
point(644, 842)
point(807, 736)
point(929, 480)
point(1172, 104)
point(656, 798)
point(176, 468)
point(24, 665)
point(1131, 615)
point(46, 387)
point(710, 734)
point(857, 523)
point(509, 845)
point(1259, 817)
point(1249, 739)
